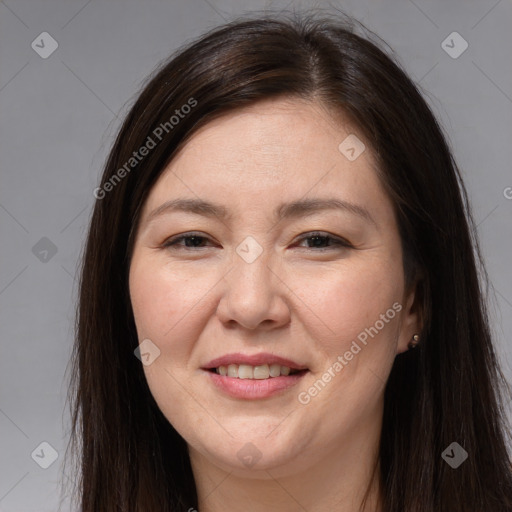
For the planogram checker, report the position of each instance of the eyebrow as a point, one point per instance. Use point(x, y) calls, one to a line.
point(294, 209)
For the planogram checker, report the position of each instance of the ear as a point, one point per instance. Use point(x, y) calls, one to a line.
point(411, 318)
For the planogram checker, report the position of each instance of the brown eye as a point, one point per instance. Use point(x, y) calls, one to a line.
point(319, 241)
point(191, 241)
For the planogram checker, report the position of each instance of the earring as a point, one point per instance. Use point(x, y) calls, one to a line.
point(414, 342)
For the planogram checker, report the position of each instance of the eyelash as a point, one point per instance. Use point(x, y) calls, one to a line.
point(338, 242)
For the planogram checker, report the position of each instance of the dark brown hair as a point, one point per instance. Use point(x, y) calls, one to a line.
point(447, 390)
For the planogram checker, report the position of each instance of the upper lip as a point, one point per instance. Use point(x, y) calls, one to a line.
point(253, 360)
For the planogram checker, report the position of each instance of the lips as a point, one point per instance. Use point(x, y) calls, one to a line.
point(251, 377)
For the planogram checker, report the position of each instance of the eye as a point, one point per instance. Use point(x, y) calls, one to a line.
point(195, 240)
point(318, 239)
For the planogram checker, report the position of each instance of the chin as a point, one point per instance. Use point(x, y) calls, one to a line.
point(254, 452)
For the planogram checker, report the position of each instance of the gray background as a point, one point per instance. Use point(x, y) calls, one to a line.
point(58, 119)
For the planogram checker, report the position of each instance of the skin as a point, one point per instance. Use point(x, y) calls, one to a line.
point(295, 300)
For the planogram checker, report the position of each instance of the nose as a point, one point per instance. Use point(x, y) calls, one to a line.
point(254, 295)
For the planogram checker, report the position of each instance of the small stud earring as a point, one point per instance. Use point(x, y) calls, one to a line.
point(414, 342)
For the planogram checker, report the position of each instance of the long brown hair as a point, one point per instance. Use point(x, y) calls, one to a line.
point(449, 389)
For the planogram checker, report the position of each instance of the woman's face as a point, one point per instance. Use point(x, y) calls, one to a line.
point(271, 280)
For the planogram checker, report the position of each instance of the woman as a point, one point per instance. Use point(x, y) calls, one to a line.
point(280, 304)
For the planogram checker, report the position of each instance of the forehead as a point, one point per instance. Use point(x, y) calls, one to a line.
point(270, 134)
point(274, 150)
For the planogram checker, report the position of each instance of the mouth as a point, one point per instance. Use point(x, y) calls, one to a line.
point(259, 372)
point(253, 377)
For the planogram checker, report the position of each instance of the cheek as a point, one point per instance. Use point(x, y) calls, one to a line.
point(169, 307)
point(342, 303)
point(360, 313)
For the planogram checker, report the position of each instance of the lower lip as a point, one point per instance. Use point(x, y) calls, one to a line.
point(253, 389)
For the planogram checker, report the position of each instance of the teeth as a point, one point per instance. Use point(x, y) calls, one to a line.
point(260, 372)
point(246, 371)
point(275, 370)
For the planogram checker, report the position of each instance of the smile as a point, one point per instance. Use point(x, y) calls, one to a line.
point(251, 388)
point(253, 377)
point(246, 371)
